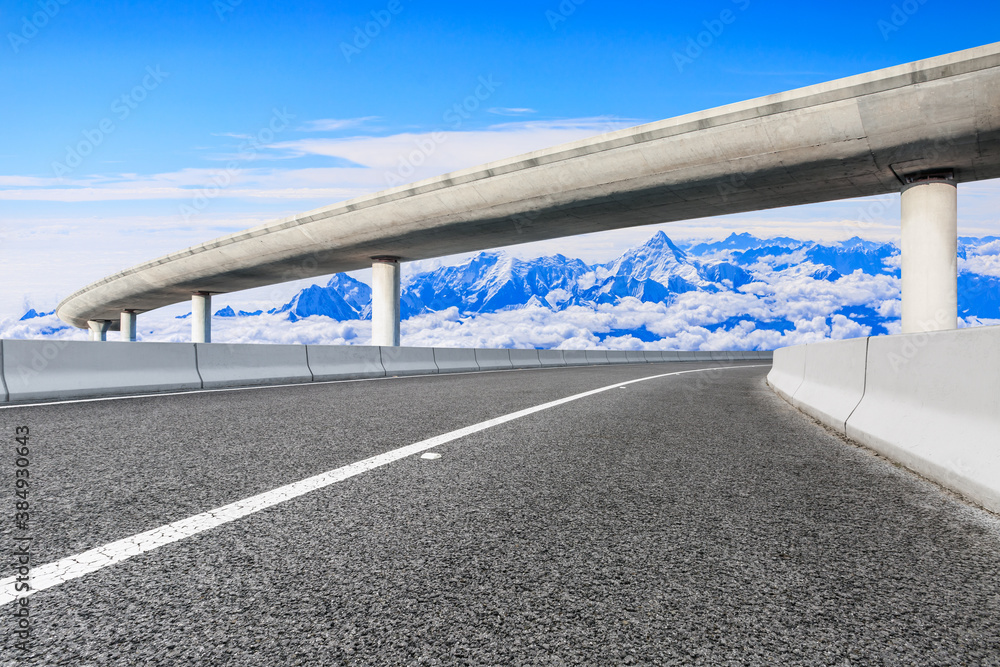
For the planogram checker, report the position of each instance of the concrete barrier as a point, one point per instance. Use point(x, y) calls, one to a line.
point(932, 403)
point(524, 359)
point(4, 396)
point(617, 357)
point(455, 360)
point(788, 371)
point(344, 362)
point(493, 360)
point(47, 369)
point(87, 369)
point(549, 358)
point(833, 381)
point(247, 365)
point(408, 360)
point(597, 357)
point(687, 355)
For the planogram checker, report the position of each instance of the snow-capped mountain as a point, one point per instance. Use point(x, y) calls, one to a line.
point(492, 282)
point(743, 292)
point(656, 272)
point(343, 298)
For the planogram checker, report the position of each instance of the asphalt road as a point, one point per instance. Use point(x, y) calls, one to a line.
point(690, 519)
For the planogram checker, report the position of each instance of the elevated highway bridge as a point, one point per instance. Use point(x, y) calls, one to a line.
point(920, 129)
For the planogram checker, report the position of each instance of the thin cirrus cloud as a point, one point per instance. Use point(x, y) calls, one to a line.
point(431, 153)
point(359, 164)
point(334, 124)
point(511, 111)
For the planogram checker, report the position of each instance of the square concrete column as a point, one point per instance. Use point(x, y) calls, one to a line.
point(128, 326)
point(99, 329)
point(201, 317)
point(930, 253)
point(385, 301)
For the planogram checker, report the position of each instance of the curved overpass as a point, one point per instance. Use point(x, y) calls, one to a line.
point(864, 135)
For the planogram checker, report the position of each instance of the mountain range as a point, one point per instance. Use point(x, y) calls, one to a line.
point(743, 292)
point(655, 272)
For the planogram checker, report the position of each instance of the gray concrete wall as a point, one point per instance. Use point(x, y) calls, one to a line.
point(408, 361)
point(493, 360)
point(344, 362)
point(597, 357)
point(551, 358)
point(524, 359)
point(244, 365)
point(33, 370)
point(455, 360)
point(635, 357)
point(4, 396)
point(929, 401)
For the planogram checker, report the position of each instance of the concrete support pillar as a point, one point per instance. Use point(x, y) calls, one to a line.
point(201, 317)
point(99, 329)
point(385, 301)
point(128, 326)
point(930, 253)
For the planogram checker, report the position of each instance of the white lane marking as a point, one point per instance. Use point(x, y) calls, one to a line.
point(430, 456)
point(72, 567)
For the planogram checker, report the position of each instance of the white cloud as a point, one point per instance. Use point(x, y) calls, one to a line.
point(380, 158)
point(334, 124)
point(511, 111)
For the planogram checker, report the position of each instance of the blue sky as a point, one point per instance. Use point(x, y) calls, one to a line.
point(166, 98)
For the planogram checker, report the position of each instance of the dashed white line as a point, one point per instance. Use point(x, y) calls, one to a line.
point(72, 567)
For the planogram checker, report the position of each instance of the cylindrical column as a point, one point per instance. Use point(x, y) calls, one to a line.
point(385, 301)
point(128, 326)
point(201, 317)
point(99, 329)
point(930, 255)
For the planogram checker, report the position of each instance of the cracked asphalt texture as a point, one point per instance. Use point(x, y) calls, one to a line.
point(692, 519)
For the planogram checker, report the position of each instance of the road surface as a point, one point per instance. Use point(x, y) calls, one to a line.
point(688, 518)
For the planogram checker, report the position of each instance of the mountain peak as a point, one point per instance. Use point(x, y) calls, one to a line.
point(32, 313)
point(660, 242)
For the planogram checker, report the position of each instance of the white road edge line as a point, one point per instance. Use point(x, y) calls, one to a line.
point(72, 567)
